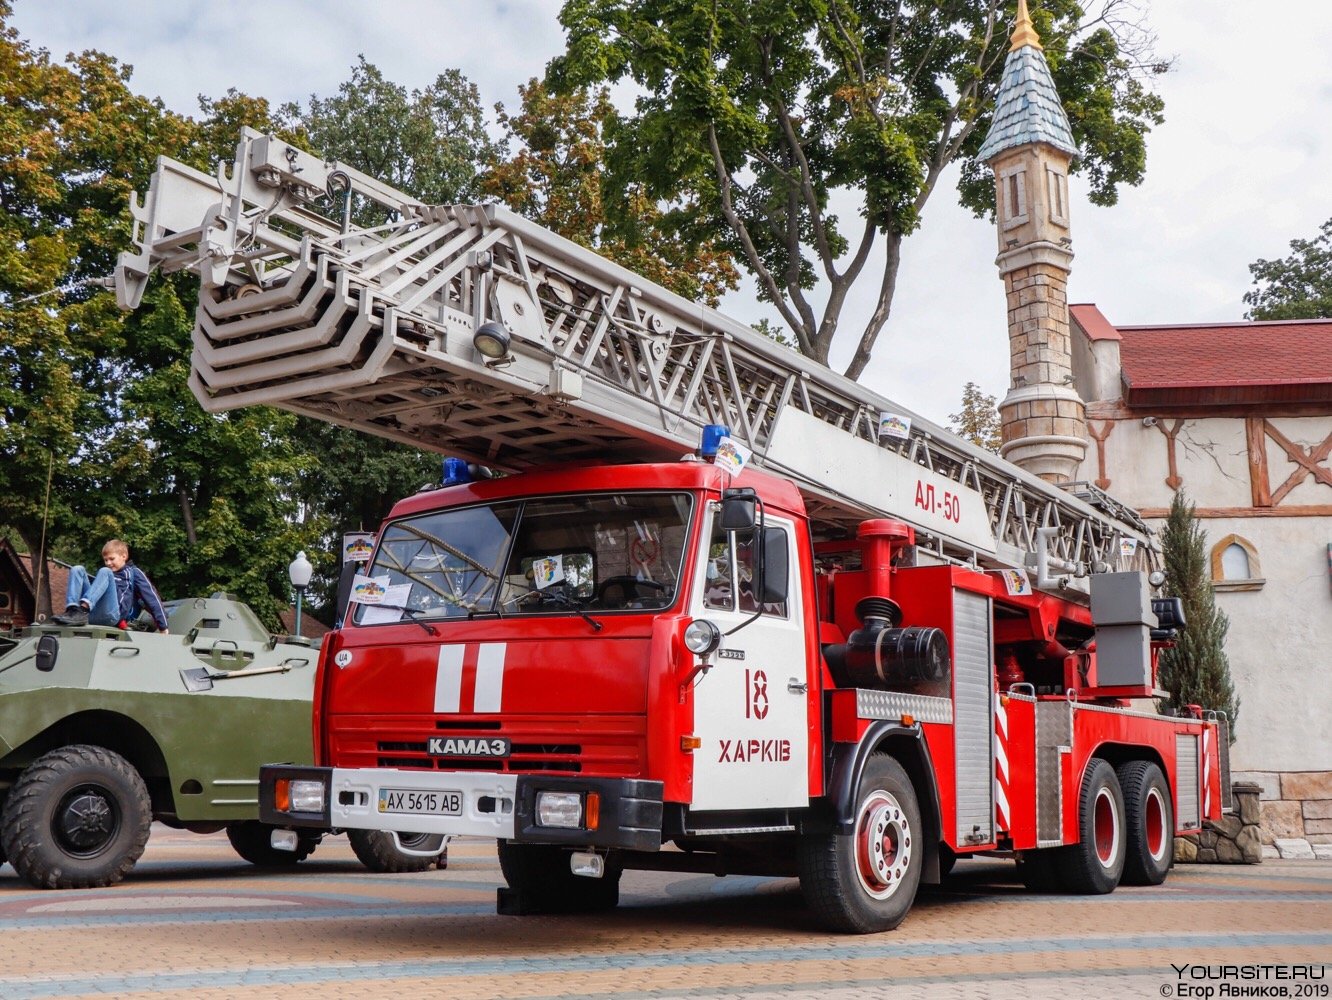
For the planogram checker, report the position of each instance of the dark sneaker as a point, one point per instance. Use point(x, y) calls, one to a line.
point(74, 615)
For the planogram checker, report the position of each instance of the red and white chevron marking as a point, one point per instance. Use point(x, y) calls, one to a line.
point(1206, 772)
point(1000, 764)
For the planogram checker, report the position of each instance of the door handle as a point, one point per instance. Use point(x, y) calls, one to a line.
point(796, 686)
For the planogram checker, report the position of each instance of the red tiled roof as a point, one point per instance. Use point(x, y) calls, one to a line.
point(1242, 363)
point(1093, 322)
point(311, 627)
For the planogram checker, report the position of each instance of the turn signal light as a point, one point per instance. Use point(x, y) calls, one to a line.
point(282, 795)
point(688, 743)
point(592, 810)
point(908, 720)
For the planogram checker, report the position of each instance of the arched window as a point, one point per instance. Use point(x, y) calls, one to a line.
point(1235, 565)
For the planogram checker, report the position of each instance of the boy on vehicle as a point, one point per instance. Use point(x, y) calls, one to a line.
point(115, 596)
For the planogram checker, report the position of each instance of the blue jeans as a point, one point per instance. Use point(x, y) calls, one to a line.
point(98, 592)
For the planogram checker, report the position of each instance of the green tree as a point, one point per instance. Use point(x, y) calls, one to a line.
point(554, 173)
point(1296, 287)
point(429, 143)
point(764, 111)
point(1196, 671)
point(74, 141)
point(978, 419)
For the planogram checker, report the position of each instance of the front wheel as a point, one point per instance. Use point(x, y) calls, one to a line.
point(865, 881)
point(376, 850)
point(77, 818)
point(253, 841)
point(1094, 864)
point(1150, 821)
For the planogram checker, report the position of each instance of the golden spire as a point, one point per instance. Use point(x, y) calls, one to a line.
point(1023, 32)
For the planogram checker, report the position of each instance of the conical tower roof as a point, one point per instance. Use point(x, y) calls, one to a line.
point(1027, 108)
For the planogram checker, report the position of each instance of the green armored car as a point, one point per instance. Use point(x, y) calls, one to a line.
point(104, 730)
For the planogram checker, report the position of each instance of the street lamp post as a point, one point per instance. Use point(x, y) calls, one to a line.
point(299, 572)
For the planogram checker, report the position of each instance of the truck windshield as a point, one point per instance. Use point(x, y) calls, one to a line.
point(605, 551)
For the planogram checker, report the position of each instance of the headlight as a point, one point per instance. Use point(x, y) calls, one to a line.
point(307, 796)
point(702, 637)
point(563, 809)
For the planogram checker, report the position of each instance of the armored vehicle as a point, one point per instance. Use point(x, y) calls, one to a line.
point(103, 730)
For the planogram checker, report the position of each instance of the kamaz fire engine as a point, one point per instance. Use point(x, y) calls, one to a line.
point(683, 599)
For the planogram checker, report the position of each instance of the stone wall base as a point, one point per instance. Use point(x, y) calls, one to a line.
point(1296, 805)
point(1231, 840)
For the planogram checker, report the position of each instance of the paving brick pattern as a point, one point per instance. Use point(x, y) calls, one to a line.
point(195, 921)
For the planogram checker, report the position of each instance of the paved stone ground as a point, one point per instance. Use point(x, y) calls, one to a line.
point(194, 921)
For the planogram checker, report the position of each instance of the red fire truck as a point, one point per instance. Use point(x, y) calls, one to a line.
point(723, 611)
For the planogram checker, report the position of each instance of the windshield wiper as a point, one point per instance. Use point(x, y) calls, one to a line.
point(564, 600)
point(412, 615)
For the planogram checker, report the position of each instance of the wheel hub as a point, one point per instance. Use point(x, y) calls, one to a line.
point(883, 845)
point(85, 822)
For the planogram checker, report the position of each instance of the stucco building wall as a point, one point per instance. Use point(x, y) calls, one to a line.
point(1280, 639)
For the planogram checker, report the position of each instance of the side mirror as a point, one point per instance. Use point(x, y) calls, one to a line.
point(738, 510)
point(774, 567)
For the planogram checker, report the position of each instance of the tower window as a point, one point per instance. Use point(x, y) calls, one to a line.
point(1235, 565)
point(1013, 193)
point(1057, 189)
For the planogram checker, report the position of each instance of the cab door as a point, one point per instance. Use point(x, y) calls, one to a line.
point(751, 707)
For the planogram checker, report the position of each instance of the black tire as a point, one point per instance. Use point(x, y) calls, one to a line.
point(865, 881)
point(1093, 866)
point(1150, 819)
point(253, 841)
point(1039, 869)
point(376, 850)
point(77, 818)
point(540, 881)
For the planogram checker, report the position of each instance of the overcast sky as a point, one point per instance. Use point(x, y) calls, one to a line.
point(1240, 168)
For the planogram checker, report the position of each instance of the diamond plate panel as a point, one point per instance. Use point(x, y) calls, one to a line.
point(891, 705)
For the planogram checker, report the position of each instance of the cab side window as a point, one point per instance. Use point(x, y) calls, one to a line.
point(732, 566)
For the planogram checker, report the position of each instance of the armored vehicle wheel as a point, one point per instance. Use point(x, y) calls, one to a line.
point(253, 842)
point(1094, 864)
point(77, 818)
point(1150, 821)
point(866, 880)
point(376, 850)
point(540, 881)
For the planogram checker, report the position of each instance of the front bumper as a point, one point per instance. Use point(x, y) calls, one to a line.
point(492, 805)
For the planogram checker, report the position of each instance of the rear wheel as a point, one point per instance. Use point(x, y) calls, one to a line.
point(77, 818)
point(1150, 821)
point(540, 881)
point(253, 841)
point(866, 880)
point(376, 850)
point(1094, 864)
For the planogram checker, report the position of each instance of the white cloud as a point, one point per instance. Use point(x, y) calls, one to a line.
point(1237, 171)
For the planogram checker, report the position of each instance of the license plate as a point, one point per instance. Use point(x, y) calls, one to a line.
point(414, 803)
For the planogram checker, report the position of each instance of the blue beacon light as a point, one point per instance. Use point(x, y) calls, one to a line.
point(712, 435)
point(455, 472)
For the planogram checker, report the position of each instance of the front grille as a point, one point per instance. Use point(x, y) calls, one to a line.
point(522, 757)
point(612, 746)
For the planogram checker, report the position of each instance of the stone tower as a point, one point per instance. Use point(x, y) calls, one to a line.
point(1030, 147)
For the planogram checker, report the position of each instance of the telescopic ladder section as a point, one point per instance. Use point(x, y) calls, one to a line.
point(371, 326)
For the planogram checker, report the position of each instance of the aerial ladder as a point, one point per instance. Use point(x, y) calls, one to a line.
point(470, 330)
